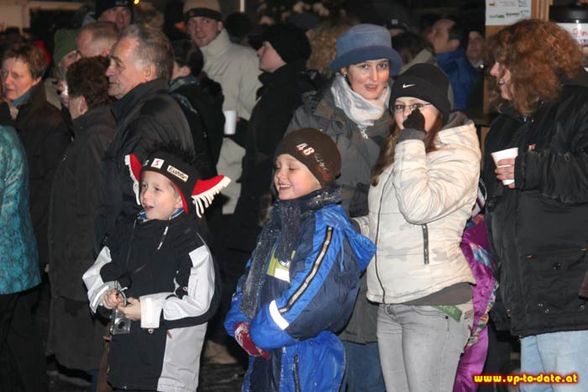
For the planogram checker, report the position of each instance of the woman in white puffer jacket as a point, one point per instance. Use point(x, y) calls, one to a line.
point(423, 191)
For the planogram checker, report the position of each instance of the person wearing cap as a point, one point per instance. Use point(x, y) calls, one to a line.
point(236, 68)
point(119, 12)
point(354, 111)
point(303, 276)
point(423, 190)
point(64, 54)
point(161, 263)
point(282, 59)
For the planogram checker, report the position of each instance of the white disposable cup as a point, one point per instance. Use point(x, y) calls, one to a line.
point(230, 122)
point(505, 154)
point(150, 320)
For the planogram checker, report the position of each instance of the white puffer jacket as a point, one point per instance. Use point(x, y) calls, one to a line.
point(417, 214)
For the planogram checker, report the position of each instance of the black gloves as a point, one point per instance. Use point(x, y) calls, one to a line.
point(415, 120)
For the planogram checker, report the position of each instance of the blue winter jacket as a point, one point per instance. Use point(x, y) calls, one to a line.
point(19, 269)
point(304, 304)
point(461, 74)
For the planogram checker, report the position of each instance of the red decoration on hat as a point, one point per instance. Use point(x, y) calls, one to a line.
point(135, 166)
point(205, 190)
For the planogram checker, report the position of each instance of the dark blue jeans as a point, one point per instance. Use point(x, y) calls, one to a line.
point(363, 372)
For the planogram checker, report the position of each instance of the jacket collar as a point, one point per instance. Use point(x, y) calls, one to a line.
point(284, 74)
point(34, 97)
point(143, 91)
point(217, 46)
point(91, 117)
point(447, 57)
point(325, 107)
point(183, 81)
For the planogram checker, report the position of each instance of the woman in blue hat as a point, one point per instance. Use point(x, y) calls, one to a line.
point(354, 110)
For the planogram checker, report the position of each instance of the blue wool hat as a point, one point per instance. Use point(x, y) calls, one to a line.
point(365, 42)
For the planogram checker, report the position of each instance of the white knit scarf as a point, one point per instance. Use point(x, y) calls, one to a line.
point(361, 111)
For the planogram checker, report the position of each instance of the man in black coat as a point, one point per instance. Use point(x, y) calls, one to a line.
point(146, 115)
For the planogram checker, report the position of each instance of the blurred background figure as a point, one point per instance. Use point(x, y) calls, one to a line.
point(174, 25)
point(239, 27)
point(201, 100)
point(448, 37)
point(119, 12)
point(282, 57)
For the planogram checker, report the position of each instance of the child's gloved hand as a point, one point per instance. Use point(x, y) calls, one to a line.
point(242, 337)
point(415, 120)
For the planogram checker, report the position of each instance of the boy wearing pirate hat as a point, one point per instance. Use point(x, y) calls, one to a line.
point(163, 266)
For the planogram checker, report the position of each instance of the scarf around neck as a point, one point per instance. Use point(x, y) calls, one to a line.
point(281, 235)
point(361, 111)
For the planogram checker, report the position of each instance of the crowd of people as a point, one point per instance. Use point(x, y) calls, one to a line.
point(311, 198)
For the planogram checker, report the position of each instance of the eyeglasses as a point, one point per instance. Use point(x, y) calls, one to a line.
point(400, 108)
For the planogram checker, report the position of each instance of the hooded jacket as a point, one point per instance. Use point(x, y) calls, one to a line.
point(418, 211)
point(302, 304)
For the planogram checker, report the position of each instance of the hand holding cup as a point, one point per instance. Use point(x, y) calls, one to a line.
point(505, 165)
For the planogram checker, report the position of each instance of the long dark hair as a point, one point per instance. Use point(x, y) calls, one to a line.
point(386, 157)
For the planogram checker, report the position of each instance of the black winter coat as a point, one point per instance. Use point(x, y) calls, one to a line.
point(146, 116)
point(74, 199)
point(45, 137)
point(539, 230)
point(280, 95)
point(159, 257)
point(202, 104)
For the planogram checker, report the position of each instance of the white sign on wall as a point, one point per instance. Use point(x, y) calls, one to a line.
point(506, 12)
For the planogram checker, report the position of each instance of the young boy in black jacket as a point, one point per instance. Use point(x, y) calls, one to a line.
point(160, 262)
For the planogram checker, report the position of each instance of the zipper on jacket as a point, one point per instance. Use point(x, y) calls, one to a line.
point(295, 369)
point(376, 240)
point(425, 243)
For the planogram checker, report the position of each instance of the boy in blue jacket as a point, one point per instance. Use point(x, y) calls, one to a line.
point(303, 276)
